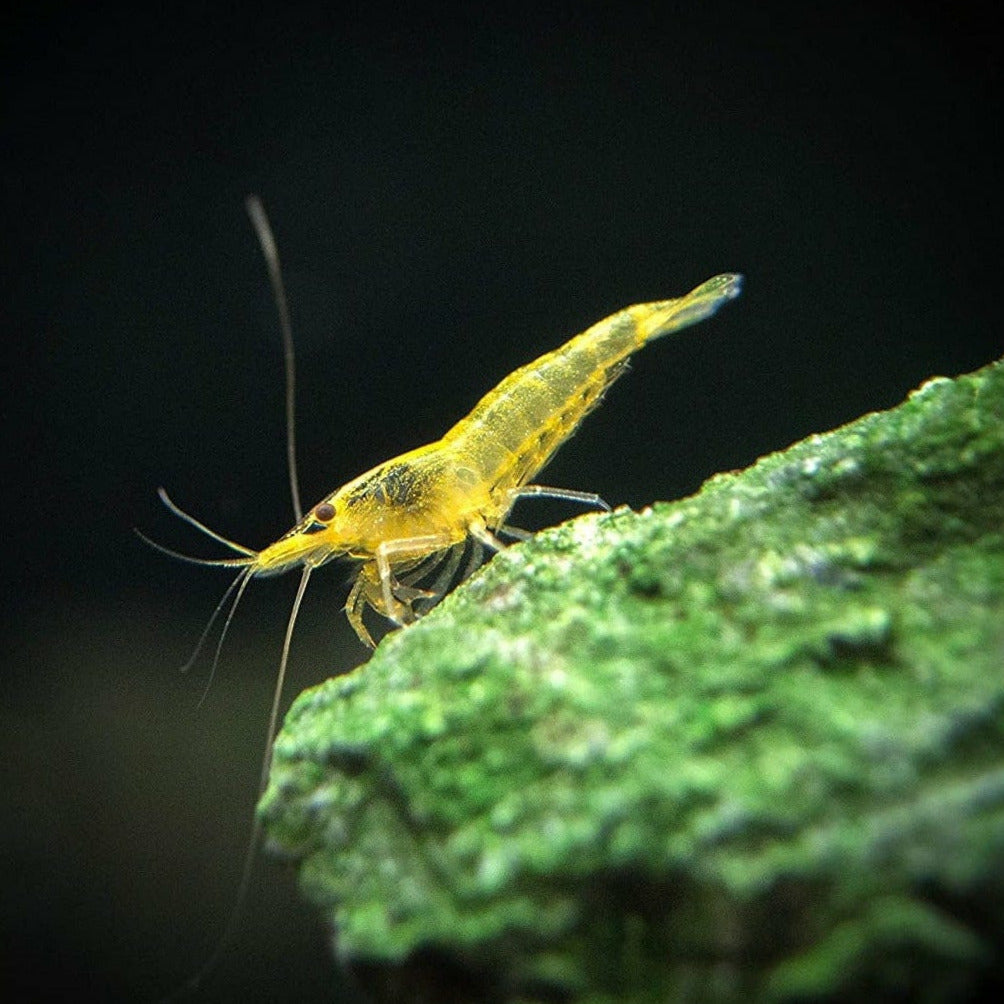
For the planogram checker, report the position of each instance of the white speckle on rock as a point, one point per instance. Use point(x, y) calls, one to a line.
point(928, 385)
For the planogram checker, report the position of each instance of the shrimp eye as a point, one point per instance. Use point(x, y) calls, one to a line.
point(324, 512)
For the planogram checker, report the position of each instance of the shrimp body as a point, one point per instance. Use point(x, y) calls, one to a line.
point(406, 515)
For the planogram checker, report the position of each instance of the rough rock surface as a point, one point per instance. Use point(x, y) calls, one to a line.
point(744, 746)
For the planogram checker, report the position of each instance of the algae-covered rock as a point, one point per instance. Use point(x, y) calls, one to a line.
point(744, 746)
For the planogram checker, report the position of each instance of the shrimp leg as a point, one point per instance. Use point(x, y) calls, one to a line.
point(515, 532)
point(403, 547)
point(354, 607)
point(564, 494)
point(483, 535)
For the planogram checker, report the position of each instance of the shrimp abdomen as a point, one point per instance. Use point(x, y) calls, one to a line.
point(515, 428)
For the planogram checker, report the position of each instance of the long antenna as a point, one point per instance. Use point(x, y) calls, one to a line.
point(194, 982)
point(259, 220)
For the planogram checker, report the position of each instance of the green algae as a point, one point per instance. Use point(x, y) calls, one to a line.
point(744, 746)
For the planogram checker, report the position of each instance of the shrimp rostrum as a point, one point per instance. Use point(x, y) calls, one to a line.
point(412, 517)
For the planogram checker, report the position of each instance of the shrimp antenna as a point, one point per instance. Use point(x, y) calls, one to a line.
point(249, 856)
point(212, 620)
point(263, 229)
point(244, 578)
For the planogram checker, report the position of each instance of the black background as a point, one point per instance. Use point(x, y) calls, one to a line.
point(454, 193)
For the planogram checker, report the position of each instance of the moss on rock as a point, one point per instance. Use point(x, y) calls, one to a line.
point(744, 746)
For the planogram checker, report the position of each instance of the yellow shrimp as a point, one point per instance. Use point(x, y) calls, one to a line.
point(405, 516)
point(409, 512)
point(418, 506)
point(414, 515)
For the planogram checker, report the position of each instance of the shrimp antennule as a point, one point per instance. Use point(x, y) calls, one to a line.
point(192, 521)
point(192, 560)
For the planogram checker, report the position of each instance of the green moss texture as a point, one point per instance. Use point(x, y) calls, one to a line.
point(744, 746)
